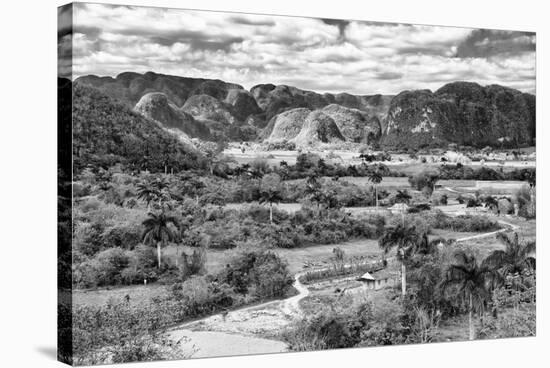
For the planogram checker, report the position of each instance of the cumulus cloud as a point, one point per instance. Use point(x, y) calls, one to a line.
point(325, 55)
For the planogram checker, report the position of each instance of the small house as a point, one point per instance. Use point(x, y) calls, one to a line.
point(377, 280)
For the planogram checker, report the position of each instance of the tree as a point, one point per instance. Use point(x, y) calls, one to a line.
point(314, 191)
point(424, 181)
point(284, 170)
point(322, 167)
point(191, 186)
point(403, 196)
point(147, 192)
point(531, 177)
point(158, 230)
point(490, 202)
point(154, 191)
point(257, 173)
point(515, 258)
point(408, 241)
point(375, 177)
point(270, 192)
point(473, 282)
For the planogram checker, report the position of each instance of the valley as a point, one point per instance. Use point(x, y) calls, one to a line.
point(236, 222)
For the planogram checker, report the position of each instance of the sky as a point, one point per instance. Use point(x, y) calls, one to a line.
point(322, 55)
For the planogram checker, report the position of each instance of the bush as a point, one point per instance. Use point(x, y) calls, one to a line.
point(464, 223)
point(264, 272)
point(322, 331)
point(526, 202)
point(441, 200)
point(122, 332)
point(124, 236)
point(424, 181)
point(90, 204)
point(109, 265)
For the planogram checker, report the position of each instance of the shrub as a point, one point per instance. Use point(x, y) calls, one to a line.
point(109, 265)
point(90, 204)
point(424, 181)
point(526, 201)
point(122, 332)
point(463, 223)
point(441, 200)
point(88, 238)
point(321, 331)
point(124, 236)
point(264, 272)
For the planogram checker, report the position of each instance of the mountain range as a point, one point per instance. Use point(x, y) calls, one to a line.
point(464, 113)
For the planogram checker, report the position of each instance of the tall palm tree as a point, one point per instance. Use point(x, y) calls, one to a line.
point(515, 258)
point(473, 282)
point(375, 177)
point(408, 242)
point(270, 195)
point(157, 230)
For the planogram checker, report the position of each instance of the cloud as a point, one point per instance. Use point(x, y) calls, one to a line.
point(251, 21)
point(324, 55)
point(486, 43)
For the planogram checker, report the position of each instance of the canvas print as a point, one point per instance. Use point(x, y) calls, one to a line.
point(234, 184)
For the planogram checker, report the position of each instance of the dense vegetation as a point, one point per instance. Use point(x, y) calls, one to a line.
point(124, 331)
point(112, 243)
point(106, 132)
point(150, 209)
point(497, 293)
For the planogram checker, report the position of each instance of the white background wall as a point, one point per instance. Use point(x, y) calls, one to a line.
point(28, 180)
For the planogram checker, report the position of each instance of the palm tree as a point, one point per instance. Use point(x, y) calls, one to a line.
point(147, 192)
point(270, 195)
point(473, 282)
point(375, 177)
point(162, 190)
point(408, 241)
point(515, 258)
point(157, 230)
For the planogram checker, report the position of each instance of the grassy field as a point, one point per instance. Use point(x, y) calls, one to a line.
point(138, 294)
point(296, 258)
